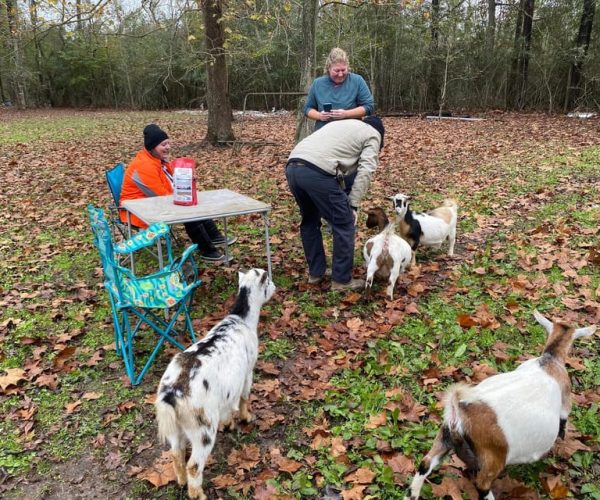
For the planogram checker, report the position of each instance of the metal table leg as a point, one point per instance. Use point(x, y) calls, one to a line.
point(226, 240)
point(267, 244)
point(131, 262)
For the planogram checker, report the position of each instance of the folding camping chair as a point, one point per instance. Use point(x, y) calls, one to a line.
point(141, 303)
point(114, 179)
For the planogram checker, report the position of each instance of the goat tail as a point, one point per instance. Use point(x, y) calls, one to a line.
point(166, 416)
point(452, 410)
point(173, 418)
point(450, 202)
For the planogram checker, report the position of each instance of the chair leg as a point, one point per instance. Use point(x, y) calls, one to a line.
point(188, 319)
point(127, 323)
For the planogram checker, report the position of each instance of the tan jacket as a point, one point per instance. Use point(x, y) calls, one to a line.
point(345, 146)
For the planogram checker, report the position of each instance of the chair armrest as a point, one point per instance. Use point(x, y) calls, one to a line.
point(187, 254)
point(186, 258)
point(143, 239)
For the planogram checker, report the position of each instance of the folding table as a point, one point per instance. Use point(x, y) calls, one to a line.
point(215, 204)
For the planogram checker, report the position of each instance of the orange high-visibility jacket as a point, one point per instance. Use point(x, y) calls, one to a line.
point(144, 178)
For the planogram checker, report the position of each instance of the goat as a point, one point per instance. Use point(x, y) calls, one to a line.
point(207, 383)
point(429, 229)
point(509, 418)
point(386, 254)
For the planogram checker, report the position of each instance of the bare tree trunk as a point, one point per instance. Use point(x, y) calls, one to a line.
point(435, 72)
point(582, 44)
point(17, 76)
point(44, 96)
point(217, 93)
point(4, 50)
point(78, 8)
point(524, 66)
point(520, 65)
point(490, 35)
point(3, 95)
point(310, 9)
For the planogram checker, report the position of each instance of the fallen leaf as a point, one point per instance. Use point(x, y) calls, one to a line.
point(161, 472)
point(356, 493)
point(89, 396)
point(466, 321)
point(224, 481)
point(448, 487)
point(401, 464)
point(246, 458)
point(376, 421)
point(361, 476)
point(354, 324)
point(13, 377)
point(71, 407)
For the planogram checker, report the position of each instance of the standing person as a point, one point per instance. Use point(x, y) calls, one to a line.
point(150, 174)
point(315, 174)
point(343, 93)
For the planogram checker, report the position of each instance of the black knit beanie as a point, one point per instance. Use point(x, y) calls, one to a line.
point(377, 124)
point(153, 136)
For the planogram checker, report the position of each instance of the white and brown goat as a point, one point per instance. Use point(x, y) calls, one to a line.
point(430, 229)
point(210, 381)
point(386, 254)
point(509, 418)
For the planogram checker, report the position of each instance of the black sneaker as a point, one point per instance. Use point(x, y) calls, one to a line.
point(220, 241)
point(212, 256)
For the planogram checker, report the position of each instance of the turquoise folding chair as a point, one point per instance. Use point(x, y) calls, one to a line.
point(114, 179)
point(141, 303)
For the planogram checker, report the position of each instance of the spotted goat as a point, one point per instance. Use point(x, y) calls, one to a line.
point(386, 254)
point(207, 384)
point(429, 229)
point(509, 418)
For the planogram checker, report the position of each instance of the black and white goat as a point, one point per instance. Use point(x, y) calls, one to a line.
point(386, 254)
point(210, 381)
point(429, 229)
point(509, 418)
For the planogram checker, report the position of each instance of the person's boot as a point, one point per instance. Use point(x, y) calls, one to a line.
point(212, 255)
point(353, 284)
point(315, 280)
point(219, 241)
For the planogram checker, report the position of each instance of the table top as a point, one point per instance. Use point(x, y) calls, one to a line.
point(211, 205)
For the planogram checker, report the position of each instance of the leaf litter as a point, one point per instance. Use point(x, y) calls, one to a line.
point(51, 181)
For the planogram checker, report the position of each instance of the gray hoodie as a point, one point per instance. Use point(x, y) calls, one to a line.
point(345, 146)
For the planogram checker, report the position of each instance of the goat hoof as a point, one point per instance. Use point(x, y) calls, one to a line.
point(230, 426)
point(247, 418)
point(196, 493)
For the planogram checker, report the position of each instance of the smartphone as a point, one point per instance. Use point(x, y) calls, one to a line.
point(327, 107)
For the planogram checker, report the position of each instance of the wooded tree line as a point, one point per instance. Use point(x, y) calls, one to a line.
point(417, 55)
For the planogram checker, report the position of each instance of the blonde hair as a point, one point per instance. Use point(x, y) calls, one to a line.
point(336, 56)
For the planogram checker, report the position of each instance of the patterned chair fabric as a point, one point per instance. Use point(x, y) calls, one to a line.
point(138, 301)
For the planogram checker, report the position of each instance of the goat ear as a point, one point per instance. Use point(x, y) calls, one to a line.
point(584, 332)
point(546, 323)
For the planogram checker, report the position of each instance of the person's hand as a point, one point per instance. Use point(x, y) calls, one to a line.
point(338, 114)
point(355, 215)
point(325, 116)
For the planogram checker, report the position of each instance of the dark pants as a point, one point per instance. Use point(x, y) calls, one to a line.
point(202, 233)
point(319, 195)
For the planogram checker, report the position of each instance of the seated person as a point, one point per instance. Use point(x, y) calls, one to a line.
point(150, 174)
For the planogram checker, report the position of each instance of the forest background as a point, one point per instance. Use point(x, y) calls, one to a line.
point(416, 55)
